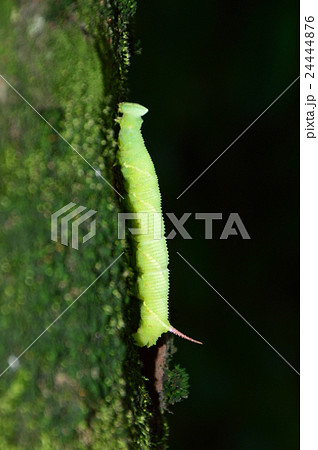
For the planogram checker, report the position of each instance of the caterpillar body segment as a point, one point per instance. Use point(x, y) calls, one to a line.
point(150, 253)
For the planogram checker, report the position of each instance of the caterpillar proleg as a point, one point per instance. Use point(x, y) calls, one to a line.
point(151, 255)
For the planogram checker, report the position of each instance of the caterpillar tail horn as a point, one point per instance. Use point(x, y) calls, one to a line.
point(178, 333)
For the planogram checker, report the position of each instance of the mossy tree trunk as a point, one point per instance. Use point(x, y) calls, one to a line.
point(82, 384)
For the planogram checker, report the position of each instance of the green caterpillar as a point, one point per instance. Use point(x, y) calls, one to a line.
point(151, 255)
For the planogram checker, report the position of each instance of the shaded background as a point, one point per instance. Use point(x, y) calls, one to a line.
point(206, 71)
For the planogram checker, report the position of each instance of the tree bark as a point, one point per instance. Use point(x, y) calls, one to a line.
point(82, 384)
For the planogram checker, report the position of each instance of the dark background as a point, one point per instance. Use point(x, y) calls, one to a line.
point(206, 71)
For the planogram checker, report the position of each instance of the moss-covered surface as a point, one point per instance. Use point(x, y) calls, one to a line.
point(81, 385)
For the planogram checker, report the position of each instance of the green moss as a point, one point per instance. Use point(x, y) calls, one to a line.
point(72, 389)
point(176, 386)
point(81, 384)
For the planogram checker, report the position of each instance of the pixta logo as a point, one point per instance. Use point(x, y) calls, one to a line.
point(64, 223)
point(151, 224)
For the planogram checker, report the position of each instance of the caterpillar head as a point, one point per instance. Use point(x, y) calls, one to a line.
point(133, 109)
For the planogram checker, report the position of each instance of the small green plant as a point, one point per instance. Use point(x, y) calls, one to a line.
point(176, 387)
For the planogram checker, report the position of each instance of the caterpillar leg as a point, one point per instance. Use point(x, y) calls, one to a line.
point(178, 333)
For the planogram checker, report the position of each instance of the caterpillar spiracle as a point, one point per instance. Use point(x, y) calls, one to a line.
point(151, 255)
